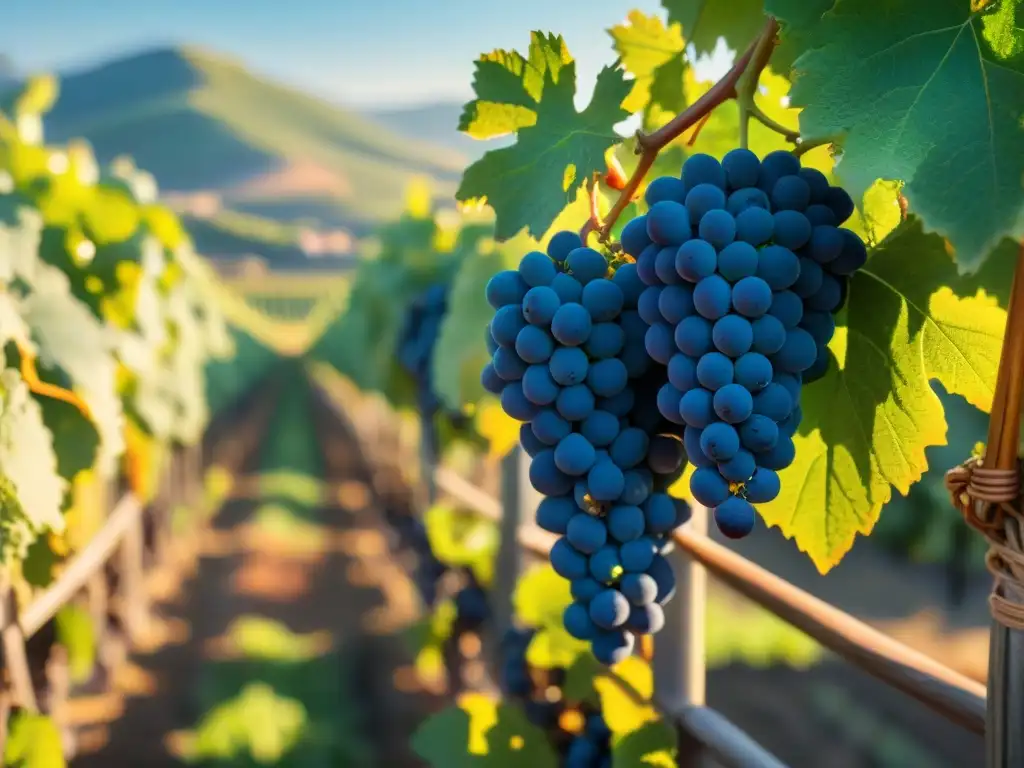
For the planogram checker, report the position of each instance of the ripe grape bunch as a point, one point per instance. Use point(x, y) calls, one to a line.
point(569, 361)
point(416, 342)
point(745, 266)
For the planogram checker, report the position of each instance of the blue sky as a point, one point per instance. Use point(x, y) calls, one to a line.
point(360, 52)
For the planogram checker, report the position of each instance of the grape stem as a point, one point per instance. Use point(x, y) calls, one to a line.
point(594, 223)
point(754, 58)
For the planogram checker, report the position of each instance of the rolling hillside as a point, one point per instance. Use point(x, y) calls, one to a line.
point(210, 130)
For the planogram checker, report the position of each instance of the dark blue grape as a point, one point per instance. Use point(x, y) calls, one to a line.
point(693, 336)
point(778, 266)
point(538, 386)
point(515, 403)
point(606, 378)
point(753, 371)
point(732, 335)
point(549, 427)
point(612, 647)
point(605, 565)
point(792, 229)
point(505, 288)
point(755, 226)
point(797, 353)
point(578, 623)
point(574, 455)
point(637, 556)
point(606, 340)
point(490, 380)
point(537, 268)
point(534, 345)
point(682, 372)
point(763, 487)
point(774, 166)
point(769, 334)
point(531, 444)
point(825, 244)
point(741, 168)
point(829, 297)
point(586, 589)
point(703, 198)
point(668, 223)
point(554, 512)
point(852, 257)
point(791, 193)
point(666, 454)
point(586, 533)
point(506, 324)
point(719, 441)
point(737, 261)
point(780, 455)
point(661, 571)
point(759, 433)
point(811, 275)
point(567, 288)
point(733, 403)
point(774, 401)
point(568, 365)
point(676, 302)
point(575, 403)
point(712, 297)
point(567, 562)
point(639, 588)
point(586, 264)
point(645, 264)
point(562, 244)
point(638, 486)
point(717, 227)
point(546, 477)
point(646, 619)
point(668, 403)
point(739, 467)
point(752, 297)
point(625, 523)
point(634, 237)
point(742, 199)
point(735, 517)
point(714, 371)
point(600, 428)
point(619, 405)
point(665, 188)
point(697, 408)
point(694, 453)
point(819, 367)
point(839, 200)
point(816, 182)
point(629, 282)
point(571, 325)
point(648, 305)
point(788, 308)
point(540, 304)
point(629, 448)
point(665, 265)
point(659, 513)
point(603, 299)
point(605, 481)
point(695, 260)
point(659, 342)
point(821, 325)
point(701, 168)
point(708, 486)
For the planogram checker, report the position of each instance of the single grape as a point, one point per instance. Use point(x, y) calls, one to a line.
point(646, 619)
point(779, 267)
point(605, 565)
point(719, 441)
point(568, 366)
point(549, 427)
point(769, 334)
point(717, 227)
point(714, 371)
point(534, 345)
point(567, 562)
point(665, 188)
point(619, 405)
point(695, 260)
point(774, 166)
point(506, 325)
point(821, 326)
point(505, 288)
point(753, 371)
point(839, 200)
point(811, 275)
point(540, 304)
point(762, 487)
point(571, 325)
point(515, 403)
point(659, 513)
point(668, 403)
point(733, 404)
point(816, 182)
point(546, 477)
point(577, 622)
point(537, 268)
point(607, 378)
point(853, 255)
point(779, 456)
point(774, 401)
point(668, 223)
point(665, 454)
point(660, 342)
point(790, 382)
point(755, 226)
point(759, 433)
point(586, 533)
point(694, 453)
point(712, 297)
point(639, 588)
point(741, 168)
point(637, 556)
point(490, 380)
point(819, 367)
point(574, 455)
point(708, 486)
point(701, 168)
point(562, 244)
point(605, 481)
point(606, 340)
point(634, 237)
point(739, 467)
point(538, 386)
point(693, 336)
point(675, 302)
point(829, 297)
point(697, 408)
point(737, 261)
point(586, 589)
point(530, 442)
point(752, 297)
point(638, 486)
point(575, 403)
point(791, 193)
point(661, 571)
point(819, 214)
point(732, 335)
point(603, 299)
point(612, 647)
point(826, 244)
point(645, 264)
point(510, 366)
point(629, 282)
point(625, 523)
point(703, 198)
point(586, 264)
point(554, 513)
point(735, 517)
point(629, 448)
point(788, 308)
point(600, 428)
point(682, 372)
point(492, 345)
point(649, 305)
point(665, 265)
point(798, 352)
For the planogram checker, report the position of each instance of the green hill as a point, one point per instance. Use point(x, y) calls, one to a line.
point(208, 128)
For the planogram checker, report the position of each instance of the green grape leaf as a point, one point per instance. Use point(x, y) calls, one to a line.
point(75, 632)
point(867, 423)
point(541, 597)
point(625, 692)
point(704, 21)
point(454, 737)
point(76, 439)
point(799, 18)
point(529, 183)
point(33, 742)
point(39, 563)
point(653, 745)
point(653, 53)
point(461, 539)
point(580, 677)
point(513, 741)
point(888, 89)
point(553, 648)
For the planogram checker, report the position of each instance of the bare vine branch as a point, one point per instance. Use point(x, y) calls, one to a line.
point(649, 145)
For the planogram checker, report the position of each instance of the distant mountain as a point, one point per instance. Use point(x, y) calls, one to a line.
point(435, 123)
point(211, 130)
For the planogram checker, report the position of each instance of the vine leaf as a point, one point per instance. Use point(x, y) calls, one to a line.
point(639, 736)
point(934, 96)
point(34, 740)
point(704, 21)
point(868, 422)
point(529, 183)
point(653, 54)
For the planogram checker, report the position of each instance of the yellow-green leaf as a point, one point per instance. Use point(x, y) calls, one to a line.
point(645, 45)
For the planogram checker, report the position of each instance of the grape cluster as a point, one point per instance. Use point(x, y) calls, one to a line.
point(472, 610)
point(592, 748)
point(569, 361)
point(745, 266)
point(416, 342)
